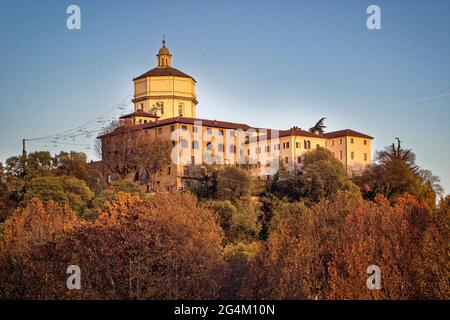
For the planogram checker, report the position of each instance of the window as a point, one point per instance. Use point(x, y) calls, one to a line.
point(286, 160)
point(365, 142)
point(332, 143)
point(160, 106)
point(221, 147)
point(184, 128)
point(297, 145)
point(220, 132)
point(284, 145)
point(305, 144)
point(299, 159)
point(184, 144)
point(172, 128)
point(231, 133)
point(317, 146)
point(352, 140)
point(142, 106)
point(209, 146)
point(173, 143)
point(195, 129)
point(169, 170)
point(180, 110)
point(192, 160)
point(208, 130)
point(340, 155)
point(160, 130)
point(195, 145)
point(287, 145)
point(232, 148)
point(365, 156)
point(267, 148)
point(340, 141)
point(352, 155)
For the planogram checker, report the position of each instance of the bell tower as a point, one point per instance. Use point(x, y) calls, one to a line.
point(164, 55)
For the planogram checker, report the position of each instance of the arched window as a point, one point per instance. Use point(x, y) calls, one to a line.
point(232, 148)
point(184, 144)
point(209, 146)
point(195, 145)
point(221, 148)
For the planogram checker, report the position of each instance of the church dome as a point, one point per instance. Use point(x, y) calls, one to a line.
point(164, 50)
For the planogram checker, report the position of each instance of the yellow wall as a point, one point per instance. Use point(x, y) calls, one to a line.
point(173, 92)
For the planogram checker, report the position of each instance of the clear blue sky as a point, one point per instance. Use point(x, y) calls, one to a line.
point(266, 63)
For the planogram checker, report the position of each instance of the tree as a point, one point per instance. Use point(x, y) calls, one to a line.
point(321, 176)
point(154, 156)
point(75, 164)
point(63, 190)
point(294, 262)
point(27, 230)
point(233, 182)
point(379, 234)
point(319, 127)
point(135, 250)
point(120, 151)
point(395, 173)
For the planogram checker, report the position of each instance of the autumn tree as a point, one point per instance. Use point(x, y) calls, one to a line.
point(294, 262)
point(139, 248)
point(27, 230)
point(383, 235)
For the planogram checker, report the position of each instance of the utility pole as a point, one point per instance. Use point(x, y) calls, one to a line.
point(24, 151)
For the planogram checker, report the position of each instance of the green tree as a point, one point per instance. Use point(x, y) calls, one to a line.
point(395, 173)
point(63, 190)
point(233, 182)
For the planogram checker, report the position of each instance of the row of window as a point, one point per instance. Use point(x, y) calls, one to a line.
point(352, 155)
point(352, 141)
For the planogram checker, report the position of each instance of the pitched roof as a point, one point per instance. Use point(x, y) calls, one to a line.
point(163, 71)
point(346, 132)
point(139, 113)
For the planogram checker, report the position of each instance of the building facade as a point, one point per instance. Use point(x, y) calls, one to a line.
point(165, 105)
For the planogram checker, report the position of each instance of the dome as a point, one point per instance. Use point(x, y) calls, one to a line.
point(164, 50)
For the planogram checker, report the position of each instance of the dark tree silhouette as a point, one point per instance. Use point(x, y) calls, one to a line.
point(319, 126)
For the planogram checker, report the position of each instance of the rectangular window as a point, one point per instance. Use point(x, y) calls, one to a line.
point(160, 130)
point(299, 159)
point(352, 155)
point(286, 160)
point(267, 148)
point(284, 145)
point(168, 170)
point(172, 128)
point(232, 148)
point(365, 156)
point(287, 145)
point(365, 142)
point(195, 129)
point(332, 143)
point(184, 128)
point(352, 140)
point(297, 145)
point(231, 133)
point(340, 155)
point(208, 130)
point(180, 110)
point(220, 132)
point(340, 141)
point(317, 146)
